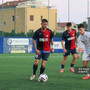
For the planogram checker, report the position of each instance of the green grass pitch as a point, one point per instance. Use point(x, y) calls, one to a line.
point(15, 70)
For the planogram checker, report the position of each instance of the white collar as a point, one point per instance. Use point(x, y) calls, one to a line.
point(83, 34)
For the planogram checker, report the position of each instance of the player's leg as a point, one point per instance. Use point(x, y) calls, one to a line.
point(85, 66)
point(63, 64)
point(85, 62)
point(43, 64)
point(44, 60)
point(64, 60)
point(74, 60)
point(42, 69)
point(35, 66)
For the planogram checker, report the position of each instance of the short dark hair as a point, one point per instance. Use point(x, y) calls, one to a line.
point(81, 26)
point(44, 20)
point(69, 24)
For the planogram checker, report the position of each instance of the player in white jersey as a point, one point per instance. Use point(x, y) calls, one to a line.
point(84, 39)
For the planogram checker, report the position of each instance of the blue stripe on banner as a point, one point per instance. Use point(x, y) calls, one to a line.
point(24, 45)
point(1, 44)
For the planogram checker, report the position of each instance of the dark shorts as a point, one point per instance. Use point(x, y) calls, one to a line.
point(44, 56)
point(73, 51)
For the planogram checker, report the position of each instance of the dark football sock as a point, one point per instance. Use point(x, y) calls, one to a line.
point(72, 65)
point(42, 70)
point(35, 69)
point(62, 66)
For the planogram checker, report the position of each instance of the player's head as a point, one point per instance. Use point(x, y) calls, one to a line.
point(81, 28)
point(69, 26)
point(44, 23)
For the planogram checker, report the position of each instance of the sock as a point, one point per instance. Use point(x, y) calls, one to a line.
point(87, 74)
point(34, 69)
point(72, 65)
point(62, 66)
point(42, 69)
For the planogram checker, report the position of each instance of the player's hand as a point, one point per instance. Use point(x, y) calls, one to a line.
point(78, 56)
point(38, 52)
point(76, 45)
point(52, 50)
point(64, 50)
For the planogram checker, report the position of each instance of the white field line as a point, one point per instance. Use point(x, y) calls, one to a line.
point(30, 56)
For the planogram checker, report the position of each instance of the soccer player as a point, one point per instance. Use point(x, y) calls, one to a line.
point(44, 37)
point(70, 37)
point(84, 39)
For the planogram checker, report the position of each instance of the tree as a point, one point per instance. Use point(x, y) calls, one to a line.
point(86, 25)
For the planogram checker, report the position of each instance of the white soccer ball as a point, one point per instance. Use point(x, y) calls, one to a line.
point(43, 78)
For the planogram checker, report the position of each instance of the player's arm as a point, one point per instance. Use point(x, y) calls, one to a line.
point(62, 43)
point(89, 34)
point(52, 45)
point(34, 43)
point(80, 44)
point(76, 42)
point(76, 39)
point(63, 46)
point(80, 51)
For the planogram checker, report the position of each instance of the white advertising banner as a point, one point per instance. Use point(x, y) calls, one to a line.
point(57, 45)
point(18, 41)
point(18, 45)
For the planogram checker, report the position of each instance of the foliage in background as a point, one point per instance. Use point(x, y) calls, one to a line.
point(30, 34)
point(22, 34)
point(86, 25)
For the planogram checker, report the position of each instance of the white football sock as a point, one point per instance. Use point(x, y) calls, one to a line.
point(88, 75)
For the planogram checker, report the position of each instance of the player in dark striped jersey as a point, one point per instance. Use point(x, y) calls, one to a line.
point(69, 36)
point(44, 37)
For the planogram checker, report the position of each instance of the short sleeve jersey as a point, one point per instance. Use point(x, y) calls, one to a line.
point(69, 39)
point(43, 39)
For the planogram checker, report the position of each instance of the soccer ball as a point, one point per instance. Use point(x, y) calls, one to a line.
point(43, 78)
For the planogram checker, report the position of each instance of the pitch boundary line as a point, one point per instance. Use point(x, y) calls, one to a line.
point(29, 56)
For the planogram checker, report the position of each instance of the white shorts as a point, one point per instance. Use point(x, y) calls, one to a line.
point(86, 56)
